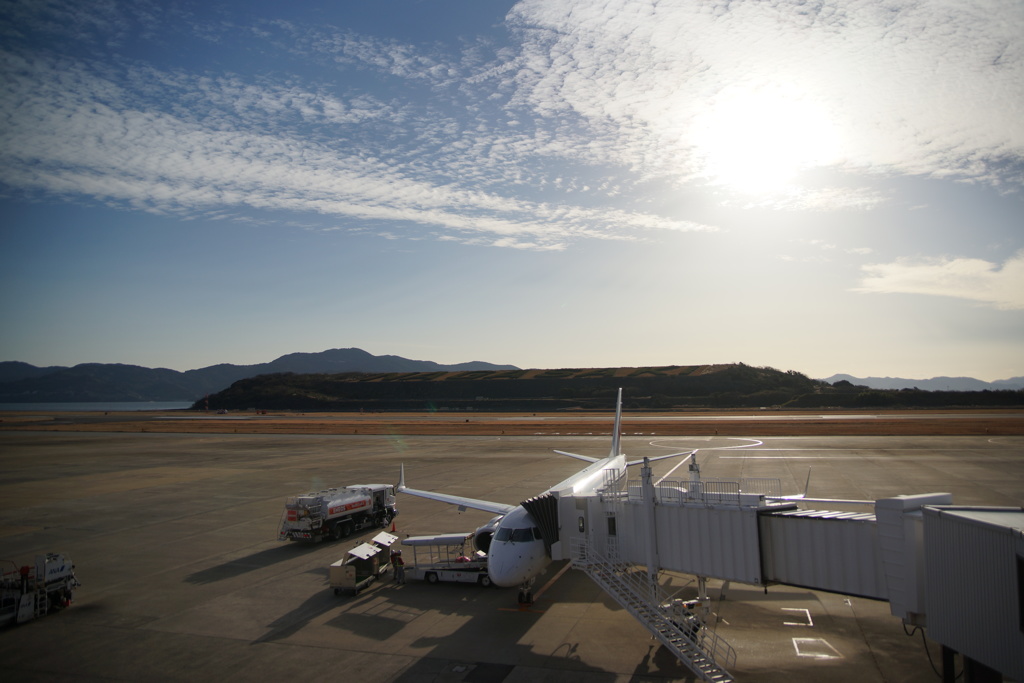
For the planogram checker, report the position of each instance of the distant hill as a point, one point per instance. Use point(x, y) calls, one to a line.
point(25, 383)
point(676, 387)
point(658, 388)
point(933, 384)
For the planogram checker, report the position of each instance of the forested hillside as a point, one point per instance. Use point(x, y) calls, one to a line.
point(652, 388)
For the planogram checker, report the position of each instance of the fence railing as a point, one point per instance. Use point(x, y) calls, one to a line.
point(669, 620)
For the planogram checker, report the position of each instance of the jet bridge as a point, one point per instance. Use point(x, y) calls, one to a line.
point(746, 531)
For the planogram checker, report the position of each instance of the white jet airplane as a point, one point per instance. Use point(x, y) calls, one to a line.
point(516, 552)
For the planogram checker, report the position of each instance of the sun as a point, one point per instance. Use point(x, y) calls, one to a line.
point(757, 140)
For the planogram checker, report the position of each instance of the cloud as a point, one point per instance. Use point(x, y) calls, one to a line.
point(908, 86)
point(1001, 287)
point(74, 129)
point(567, 133)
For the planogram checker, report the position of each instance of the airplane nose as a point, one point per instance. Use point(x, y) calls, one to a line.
point(500, 568)
point(513, 564)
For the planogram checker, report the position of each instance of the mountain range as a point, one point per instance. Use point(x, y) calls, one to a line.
point(933, 384)
point(25, 383)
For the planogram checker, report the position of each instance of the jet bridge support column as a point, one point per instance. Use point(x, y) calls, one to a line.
point(901, 542)
point(650, 522)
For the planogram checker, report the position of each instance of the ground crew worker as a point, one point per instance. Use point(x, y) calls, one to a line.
point(399, 567)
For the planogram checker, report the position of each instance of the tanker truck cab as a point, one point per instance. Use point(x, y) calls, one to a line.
point(337, 512)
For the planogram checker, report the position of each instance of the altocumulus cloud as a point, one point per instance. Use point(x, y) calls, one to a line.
point(169, 142)
point(1000, 286)
point(570, 131)
point(907, 86)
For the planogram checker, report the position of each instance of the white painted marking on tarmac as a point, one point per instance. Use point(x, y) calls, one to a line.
point(790, 457)
point(674, 443)
point(807, 614)
point(816, 648)
point(667, 474)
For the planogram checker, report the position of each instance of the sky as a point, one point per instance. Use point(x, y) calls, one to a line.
point(824, 186)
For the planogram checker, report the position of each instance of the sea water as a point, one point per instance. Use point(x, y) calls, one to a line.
point(105, 406)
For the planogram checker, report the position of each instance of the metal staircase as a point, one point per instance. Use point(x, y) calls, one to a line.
point(678, 629)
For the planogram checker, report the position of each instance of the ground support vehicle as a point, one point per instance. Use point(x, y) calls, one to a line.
point(337, 512)
point(362, 565)
point(447, 557)
point(29, 592)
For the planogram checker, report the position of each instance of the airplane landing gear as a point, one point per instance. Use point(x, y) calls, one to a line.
point(526, 593)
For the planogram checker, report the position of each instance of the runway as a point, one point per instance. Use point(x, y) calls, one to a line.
point(174, 540)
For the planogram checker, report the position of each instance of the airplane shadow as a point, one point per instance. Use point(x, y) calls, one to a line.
point(294, 621)
point(249, 563)
point(489, 642)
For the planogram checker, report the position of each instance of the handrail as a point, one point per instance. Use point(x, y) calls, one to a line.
point(671, 622)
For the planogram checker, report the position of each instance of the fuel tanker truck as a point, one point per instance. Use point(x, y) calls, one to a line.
point(337, 512)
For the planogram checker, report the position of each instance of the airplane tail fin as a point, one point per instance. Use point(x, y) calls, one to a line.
point(617, 429)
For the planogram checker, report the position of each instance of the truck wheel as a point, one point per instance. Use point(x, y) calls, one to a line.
point(431, 577)
point(335, 532)
point(485, 581)
point(337, 591)
point(346, 529)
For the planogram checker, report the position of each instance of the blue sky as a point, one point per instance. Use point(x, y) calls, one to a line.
point(826, 187)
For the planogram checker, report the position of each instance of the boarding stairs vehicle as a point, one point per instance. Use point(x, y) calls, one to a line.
point(30, 592)
point(337, 513)
point(670, 621)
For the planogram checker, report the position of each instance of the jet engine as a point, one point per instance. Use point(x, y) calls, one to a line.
point(482, 536)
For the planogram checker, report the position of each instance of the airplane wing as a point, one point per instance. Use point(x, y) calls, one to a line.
point(585, 458)
point(462, 502)
point(660, 457)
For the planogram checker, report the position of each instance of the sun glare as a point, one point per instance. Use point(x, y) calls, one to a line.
point(757, 140)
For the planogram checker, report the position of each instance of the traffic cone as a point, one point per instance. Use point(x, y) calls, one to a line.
point(392, 526)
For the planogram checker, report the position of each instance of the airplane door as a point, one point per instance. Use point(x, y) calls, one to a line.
point(581, 517)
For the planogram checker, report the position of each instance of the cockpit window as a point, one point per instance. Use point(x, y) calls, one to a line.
point(518, 535)
point(522, 535)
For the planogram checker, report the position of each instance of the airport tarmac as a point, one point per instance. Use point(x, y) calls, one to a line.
point(174, 541)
